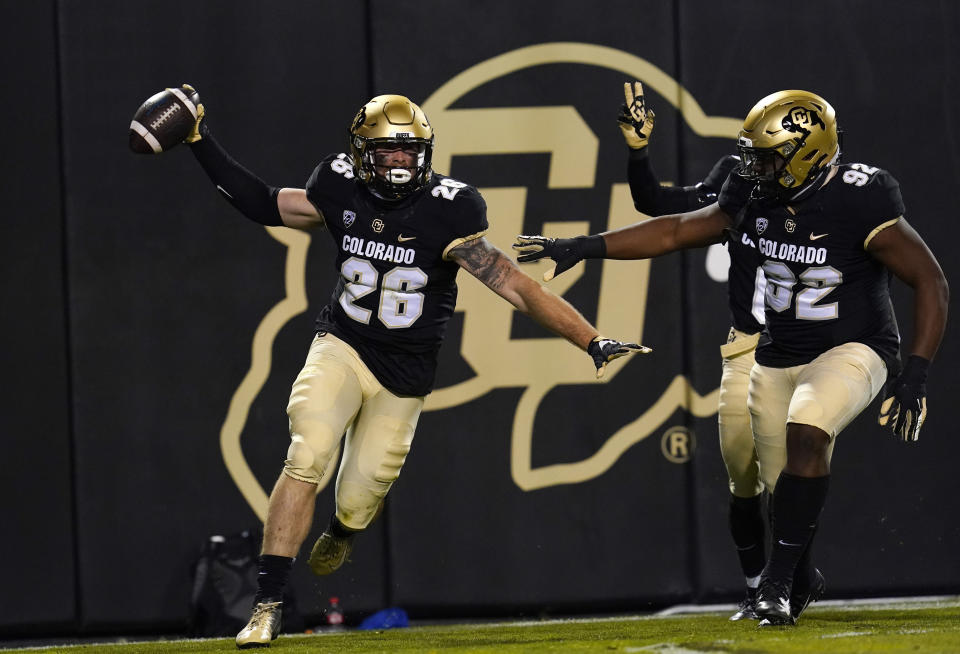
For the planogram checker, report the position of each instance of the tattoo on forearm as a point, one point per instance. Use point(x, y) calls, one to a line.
point(484, 262)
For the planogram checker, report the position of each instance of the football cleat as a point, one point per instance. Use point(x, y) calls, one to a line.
point(264, 626)
point(329, 553)
point(773, 603)
point(747, 610)
point(800, 600)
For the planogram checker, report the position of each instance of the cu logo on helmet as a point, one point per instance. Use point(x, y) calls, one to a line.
point(802, 118)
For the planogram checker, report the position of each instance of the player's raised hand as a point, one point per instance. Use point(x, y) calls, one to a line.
point(194, 134)
point(904, 406)
point(604, 350)
point(566, 252)
point(636, 121)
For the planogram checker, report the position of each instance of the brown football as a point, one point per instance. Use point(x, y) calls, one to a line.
point(164, 120)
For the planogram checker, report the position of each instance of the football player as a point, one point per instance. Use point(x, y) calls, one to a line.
point(402, 232)
point(827, 236)
point(745, 285)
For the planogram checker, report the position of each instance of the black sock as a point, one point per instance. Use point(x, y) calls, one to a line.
point(797, 503)
point(337, 529)
point(747, 529)
point(272, 578)
point(803, 576)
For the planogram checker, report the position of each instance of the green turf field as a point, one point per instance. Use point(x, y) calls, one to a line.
point(916, 628)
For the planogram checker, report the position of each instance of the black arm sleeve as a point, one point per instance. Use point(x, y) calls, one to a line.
point(245, 191)
point(655, 200)
point(651, 198)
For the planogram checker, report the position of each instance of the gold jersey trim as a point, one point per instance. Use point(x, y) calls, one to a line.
point(878, 229)
point(461, 241)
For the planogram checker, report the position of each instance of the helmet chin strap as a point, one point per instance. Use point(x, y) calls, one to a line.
point(813, 185)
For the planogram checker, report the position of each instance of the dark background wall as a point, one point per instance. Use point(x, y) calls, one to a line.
point(131, 294)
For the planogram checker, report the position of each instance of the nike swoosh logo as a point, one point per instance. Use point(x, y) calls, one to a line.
point(224, 191)
point(403, 238)
point(814, 237)
point(783, 542)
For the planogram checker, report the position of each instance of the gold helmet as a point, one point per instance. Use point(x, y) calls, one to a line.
point(788, 140)
point(391, 120)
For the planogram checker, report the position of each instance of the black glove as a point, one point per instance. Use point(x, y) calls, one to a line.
point(566, 252)
point(604, 350)
point(904, 406)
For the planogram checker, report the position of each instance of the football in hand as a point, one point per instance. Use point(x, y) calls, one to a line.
point(164, 120)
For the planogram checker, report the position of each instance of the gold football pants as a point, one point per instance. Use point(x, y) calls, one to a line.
point(736, 435)
point(335, 395)
point(827, 393)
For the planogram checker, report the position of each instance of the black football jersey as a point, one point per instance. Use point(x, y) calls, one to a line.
point(823, 287)
point(744, 282)
point(396, 288)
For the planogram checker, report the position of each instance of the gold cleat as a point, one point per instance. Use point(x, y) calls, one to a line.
point(329, 553)
point(264, 626)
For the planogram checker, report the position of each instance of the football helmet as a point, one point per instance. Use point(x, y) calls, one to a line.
point(789, 139)
point(391, 120)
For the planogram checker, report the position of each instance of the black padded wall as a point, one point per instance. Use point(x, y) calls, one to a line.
point(154, 332)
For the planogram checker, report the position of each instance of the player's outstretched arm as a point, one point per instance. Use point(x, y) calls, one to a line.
point(642, 240)
point(904, 253)
point(254, 198)
point(491, 266)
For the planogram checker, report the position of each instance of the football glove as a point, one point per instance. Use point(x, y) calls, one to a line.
point(604, 350)
point(636, 121)
point(904, 406)
point(194, 134)
point(566, 252)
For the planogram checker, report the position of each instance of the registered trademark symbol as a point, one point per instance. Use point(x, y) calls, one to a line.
point(678, 444)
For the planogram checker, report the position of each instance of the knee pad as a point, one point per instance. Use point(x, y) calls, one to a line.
point(363, 485)
point(310, 453)
point(357, 504)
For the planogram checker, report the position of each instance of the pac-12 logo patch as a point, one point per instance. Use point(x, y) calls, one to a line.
point(348, 217)
point(761, 225)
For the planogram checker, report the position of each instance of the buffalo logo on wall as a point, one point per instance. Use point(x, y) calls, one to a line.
point(498, 360)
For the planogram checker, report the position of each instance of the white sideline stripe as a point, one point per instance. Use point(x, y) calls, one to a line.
point(877, 603)
point(675, 611)
point(185, 100)
point(147, 136)
point(848, 634)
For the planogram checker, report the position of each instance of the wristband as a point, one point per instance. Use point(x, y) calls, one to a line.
point(592, 247)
